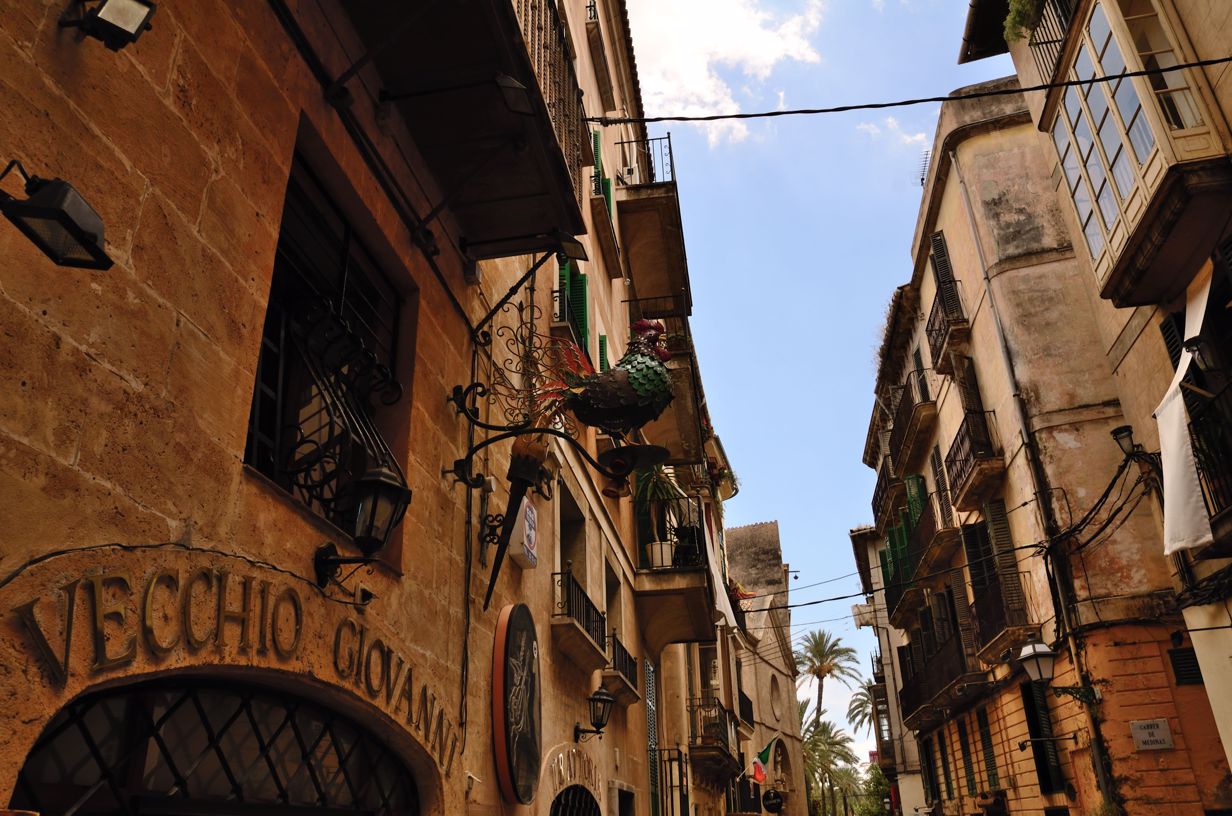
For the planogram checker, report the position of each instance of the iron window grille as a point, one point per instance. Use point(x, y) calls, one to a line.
point(160, 748)
point(328, 352)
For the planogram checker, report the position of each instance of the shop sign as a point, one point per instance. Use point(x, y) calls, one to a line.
point(573, 766)
point(524, 549)
point(516, 724)
point(1151, 735)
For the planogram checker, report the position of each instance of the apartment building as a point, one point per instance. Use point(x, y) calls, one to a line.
point(1011, 524)
point(280, 298)
point(1147, 204)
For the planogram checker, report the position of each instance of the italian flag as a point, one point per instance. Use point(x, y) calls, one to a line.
point(759, 764)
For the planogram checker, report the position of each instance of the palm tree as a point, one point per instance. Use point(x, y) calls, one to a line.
point(828, 760)
point(822, 655)
point(860, 709)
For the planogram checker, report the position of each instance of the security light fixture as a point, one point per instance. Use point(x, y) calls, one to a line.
point(381, 500)
point(1197, 347)
point(600, 711)
point(115, 23)
point(517, 98)
point(57, 220)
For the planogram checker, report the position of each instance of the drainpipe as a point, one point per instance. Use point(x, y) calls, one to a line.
point(1061, 582)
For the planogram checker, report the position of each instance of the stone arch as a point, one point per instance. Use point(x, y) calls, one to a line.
point(215, 744)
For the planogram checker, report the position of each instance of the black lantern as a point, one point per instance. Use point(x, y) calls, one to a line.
point(1201, 353)
point(381, 498)
point(57, 220)
point(115, 23)
point(1124, 436)
point(600, 711)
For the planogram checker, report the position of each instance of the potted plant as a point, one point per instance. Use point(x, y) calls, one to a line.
point(654, 501)
point(1023, 17)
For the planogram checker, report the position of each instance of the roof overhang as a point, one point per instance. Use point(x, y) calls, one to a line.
point(984, 35)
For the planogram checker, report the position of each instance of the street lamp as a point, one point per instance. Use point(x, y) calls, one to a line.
point(381, 500)
point(600, 711)
point(1039, 661)
point(1123, 435)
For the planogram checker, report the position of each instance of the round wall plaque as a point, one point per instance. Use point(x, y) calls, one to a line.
point(772, 801)
point(516, 733)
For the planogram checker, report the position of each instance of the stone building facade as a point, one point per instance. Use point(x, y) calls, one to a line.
point(1155, 253)
point(322, 219)
point(1007, 517)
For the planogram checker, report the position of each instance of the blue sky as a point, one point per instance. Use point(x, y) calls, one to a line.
point(798, 229)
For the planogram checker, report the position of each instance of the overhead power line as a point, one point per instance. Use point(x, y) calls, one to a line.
point(902, 103)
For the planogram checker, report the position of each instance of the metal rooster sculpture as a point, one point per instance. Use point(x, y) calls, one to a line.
point(633, 392)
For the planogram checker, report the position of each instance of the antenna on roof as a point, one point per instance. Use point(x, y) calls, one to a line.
point(924, 159)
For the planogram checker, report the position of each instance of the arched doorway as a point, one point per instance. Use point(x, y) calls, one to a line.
point(575, 800)
point(199, 749)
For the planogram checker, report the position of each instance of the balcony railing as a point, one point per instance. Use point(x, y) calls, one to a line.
point(915, 399)
point(549, 49)
point(711, 725)
point(935, 536)
point(878, 668)
point(969, 459)
point(943, 667)
point(746, 708)
point(743, 796)
point(565, 313)
point(1047, 40)
point(998, 608)
point(887, 486)
point(1210, 429)
point(574, 603)
point(670, 776)
point(946, 323)
point(623, 662)
point(652, 159)
point(671, 534)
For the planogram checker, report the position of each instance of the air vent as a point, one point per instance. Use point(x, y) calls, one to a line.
point(1185, 667)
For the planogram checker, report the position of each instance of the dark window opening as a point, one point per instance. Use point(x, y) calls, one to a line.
point(328, 355)
point(964, 745)
point(944, 753)
point(986, 745)
point(1043, 745)
point(1185, 666)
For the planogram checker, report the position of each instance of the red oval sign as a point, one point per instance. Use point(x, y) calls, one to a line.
point(516, 732)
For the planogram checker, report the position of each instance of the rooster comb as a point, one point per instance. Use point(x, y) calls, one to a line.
point(647, 327)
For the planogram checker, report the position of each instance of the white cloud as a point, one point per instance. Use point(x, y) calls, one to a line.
point(893, 131)
point(681, 44)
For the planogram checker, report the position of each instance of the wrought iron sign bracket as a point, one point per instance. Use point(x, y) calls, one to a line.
point(1083, 694)
point(1022, 744)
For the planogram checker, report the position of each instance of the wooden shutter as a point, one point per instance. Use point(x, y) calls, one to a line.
point(964, 745)
point(962, 612)
point(944, 753)
point(1171, 328)
point(968, 385)
point(652, 734)
point(979, 555)
point(921, 380)
point(943, 275)
point(1004, 558)
point(579, 302)
point(917, 494)
point(886, 572)
point(928, 632)
point(986, 745)
point(943, 490)
point(904, 662)
point(596, 142)
point(564, 280)
point(1185, 666)
point(917, 652)
point(1039, 726)
point(941, 615)
point(603, 364)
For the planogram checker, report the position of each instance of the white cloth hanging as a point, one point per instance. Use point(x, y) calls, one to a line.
point(1186, 523)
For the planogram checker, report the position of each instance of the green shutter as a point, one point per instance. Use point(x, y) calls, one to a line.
point(607, 194)
point(986, 745)
point(603, 365)
point(596, 139)
point(579, 302)
point(565, 278)
point(917, 494)
point(886, 571)
point(964, 744)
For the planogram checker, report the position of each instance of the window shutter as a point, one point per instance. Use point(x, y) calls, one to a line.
point(969, 386)
point(603, 365)
point(917, 494)
point(1185, 666)
point(1171, 328)
point(986, 745)
point(941, 615)
point(564, 280)
point(917, 653)
point(652, 734)
point(979, 555)
point(943, 489)
point(607, 194)
point(928, 632)
point(579, 302)
point(886, 572)
point(921, 380)
point(1039, 726)
point(962, 612)
point(596, 143)
point(1006, 562)
point(942, 270)
point(943, 752)
point(964, 745)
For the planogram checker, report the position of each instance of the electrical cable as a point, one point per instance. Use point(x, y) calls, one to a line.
point(606, 121)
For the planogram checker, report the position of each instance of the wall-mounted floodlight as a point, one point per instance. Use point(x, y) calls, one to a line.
point(57, 220)
point(115, 23)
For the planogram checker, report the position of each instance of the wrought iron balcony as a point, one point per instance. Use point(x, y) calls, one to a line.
point(672, 586)
point(937, 680)
point(712, 739)
point(1047, 39)
point(671, 534)
point(579, 629)
point(947, 329)
point(936, 537)
point(1000, 614)
point(565, 317)
point(974, 463)
point(620, 677)
point(669, 774)
point(913, 417)
point(888, 493)
point(743, 796)
point(878, 668)
point(903, 593)
point(1210, 429)
point(746, 708)
point(881, 726)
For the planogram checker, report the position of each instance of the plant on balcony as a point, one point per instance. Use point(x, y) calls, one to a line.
point(1023, 17)
point(657, 499)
